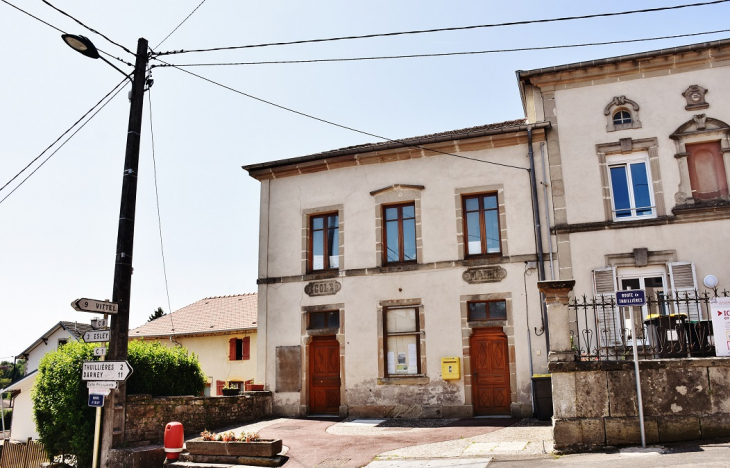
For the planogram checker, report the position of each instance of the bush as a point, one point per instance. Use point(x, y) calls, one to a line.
point(63, 418)
point(8, 417)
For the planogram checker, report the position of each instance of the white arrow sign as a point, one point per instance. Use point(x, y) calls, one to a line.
point(96, 336)
point(101, 384)
point(92, 305)
point(106, 370)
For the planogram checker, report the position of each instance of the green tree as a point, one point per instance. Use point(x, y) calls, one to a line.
point(63, 418)
point(157, 314)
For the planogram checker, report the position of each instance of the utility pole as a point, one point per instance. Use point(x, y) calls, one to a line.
point(116, 406)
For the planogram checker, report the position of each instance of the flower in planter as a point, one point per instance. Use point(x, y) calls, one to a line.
point(207, 435)
point(228, 437)
point(249, 437)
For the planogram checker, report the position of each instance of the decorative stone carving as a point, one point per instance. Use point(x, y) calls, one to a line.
point(700, 121)
point(323, 288)
point(619, 101)
point(625, 104)
point(695, 96)
point(488, 274)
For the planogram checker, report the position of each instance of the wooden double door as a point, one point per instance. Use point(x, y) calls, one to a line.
point(324, 372)
point(490, 371)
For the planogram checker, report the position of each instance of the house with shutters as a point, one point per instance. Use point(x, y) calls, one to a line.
point(221, 331)
point(639, 162)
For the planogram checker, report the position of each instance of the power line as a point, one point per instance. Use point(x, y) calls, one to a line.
point(329, 122)
point(62, 31)
point(446, 54)
point(159, 218)
point(118, 88)
point(183, 21)
point(62, 135)
point(89, 28)
point(458, 28)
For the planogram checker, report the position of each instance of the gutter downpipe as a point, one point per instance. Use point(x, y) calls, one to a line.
point(547, 207)
point(538, 233)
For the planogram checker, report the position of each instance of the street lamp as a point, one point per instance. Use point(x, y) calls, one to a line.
point(114, 419)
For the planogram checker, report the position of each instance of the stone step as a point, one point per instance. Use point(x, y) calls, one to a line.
point(203, 461)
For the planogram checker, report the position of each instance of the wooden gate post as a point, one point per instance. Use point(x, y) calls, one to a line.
point(556, 299)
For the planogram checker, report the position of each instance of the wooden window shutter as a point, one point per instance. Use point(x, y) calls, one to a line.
point(246, 348)
point(219, 384)
point(684, 289)
point(232, 349)
point(609, 322)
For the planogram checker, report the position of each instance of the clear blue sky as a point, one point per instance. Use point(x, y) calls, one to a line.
point(58, 231)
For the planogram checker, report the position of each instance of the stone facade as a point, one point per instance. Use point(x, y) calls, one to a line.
point(595, 402)
point(147, 416)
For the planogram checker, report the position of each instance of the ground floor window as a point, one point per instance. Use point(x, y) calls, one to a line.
point(402, 341)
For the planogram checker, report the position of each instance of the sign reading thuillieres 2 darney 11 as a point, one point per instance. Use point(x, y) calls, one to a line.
point(633, 297)
point(720, 311)
point(106, 370)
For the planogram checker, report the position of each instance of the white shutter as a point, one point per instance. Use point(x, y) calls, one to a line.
point(609, 322)
point(684, 286)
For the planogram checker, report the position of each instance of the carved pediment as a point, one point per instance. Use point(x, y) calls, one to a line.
point(699, 123)
point(620, 101)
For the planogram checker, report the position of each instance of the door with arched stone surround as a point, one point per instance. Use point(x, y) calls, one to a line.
point(490, 371)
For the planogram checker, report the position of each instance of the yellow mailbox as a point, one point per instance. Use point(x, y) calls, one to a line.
point(450, 368)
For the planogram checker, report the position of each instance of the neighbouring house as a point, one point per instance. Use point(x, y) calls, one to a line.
point(23, 425)
point(640, 163)
point(399, 278)
point(221, 331)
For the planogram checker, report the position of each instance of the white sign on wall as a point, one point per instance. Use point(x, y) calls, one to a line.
point(720, 310)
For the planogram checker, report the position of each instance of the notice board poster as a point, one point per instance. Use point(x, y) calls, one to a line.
point(720, 310)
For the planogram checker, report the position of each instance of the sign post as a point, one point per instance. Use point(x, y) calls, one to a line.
point(631, 299)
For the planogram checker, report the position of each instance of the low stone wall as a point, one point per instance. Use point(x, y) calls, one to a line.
point(595, 402)
point(147, 416)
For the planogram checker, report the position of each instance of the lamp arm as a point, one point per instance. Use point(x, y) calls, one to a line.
point(117, 69)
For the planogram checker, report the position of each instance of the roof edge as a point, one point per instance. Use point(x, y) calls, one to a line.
point(405, 142)
point(184, 335)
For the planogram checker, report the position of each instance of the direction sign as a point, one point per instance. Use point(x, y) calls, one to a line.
point(633, 297)
point(95, 400)
point(92, 305)
point(106, 370)
point(101, 384)
point(96, 336)
point(100, 391)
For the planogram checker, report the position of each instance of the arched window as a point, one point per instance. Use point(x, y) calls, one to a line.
point(622, 117)
point(621, 114)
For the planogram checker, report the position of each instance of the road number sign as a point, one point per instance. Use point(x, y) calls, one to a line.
point(101, 351)
point(96, 401)
point(633, 297)
point(97, 336)
point(93, 305)
point(97, 323)
point(106, 370)
point(101, 384)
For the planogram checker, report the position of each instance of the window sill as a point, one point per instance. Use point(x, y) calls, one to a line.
point(321, 274)
point(418, 379)
point(486, 323)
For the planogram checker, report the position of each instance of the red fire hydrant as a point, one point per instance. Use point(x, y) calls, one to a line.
point(174, 439)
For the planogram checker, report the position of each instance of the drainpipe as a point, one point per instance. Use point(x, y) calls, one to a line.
point(538, 233)
point(547, 207)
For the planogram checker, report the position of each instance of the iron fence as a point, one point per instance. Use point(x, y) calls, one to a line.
point(669, 326)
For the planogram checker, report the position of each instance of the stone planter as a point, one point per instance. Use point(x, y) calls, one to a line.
point(261, 448)
point(231, 391)
point(254, 387)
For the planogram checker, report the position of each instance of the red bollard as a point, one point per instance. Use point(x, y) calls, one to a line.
point(174, 439)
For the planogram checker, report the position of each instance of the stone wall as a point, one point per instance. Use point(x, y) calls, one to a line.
point(595, 402)
point(147, 416)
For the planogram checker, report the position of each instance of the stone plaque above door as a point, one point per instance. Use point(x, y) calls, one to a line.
point(488, 274)
point(323, 288)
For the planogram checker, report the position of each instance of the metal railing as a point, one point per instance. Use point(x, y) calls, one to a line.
point(669, 326)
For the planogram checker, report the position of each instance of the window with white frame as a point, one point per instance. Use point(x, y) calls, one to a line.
point(631, 195)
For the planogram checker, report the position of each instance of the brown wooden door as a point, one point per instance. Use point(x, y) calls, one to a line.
point(490, 371)
point(324, 369)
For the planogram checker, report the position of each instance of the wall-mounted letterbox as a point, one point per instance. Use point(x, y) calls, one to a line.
point(450, 368)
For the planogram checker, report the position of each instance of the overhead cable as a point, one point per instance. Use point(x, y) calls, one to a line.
point(87, 27)
point(329, 122)
point(181, 23)
point(457, 28)
point(115, 91)
point(445, 54)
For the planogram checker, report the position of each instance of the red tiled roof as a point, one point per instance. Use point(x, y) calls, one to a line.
point(209, 315)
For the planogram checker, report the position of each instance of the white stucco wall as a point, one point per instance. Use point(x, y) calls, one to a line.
point(23, 425)
point(35, 355)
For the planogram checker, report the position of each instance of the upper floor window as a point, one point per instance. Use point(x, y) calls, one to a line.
point(630, 192)
point(621, 117)
point(324, 251)
point(399, 234)
point(239, 349)
point(706, 170)
point(481, 224)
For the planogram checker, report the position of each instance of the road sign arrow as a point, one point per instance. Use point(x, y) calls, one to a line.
point(96, 336)
point(106, 370)
point(95, 306)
